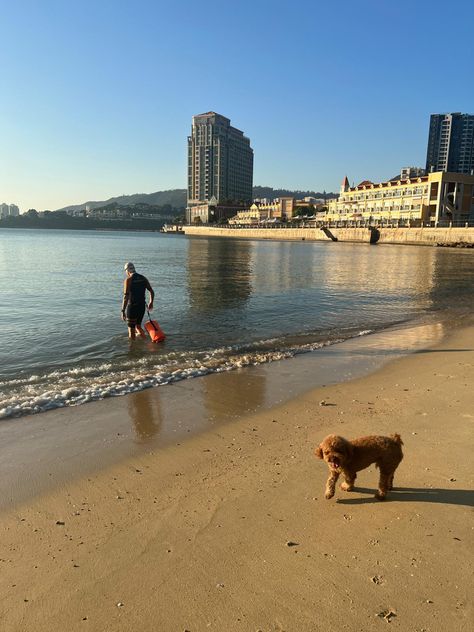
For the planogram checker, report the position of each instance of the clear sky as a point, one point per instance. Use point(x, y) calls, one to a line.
point(96, 97)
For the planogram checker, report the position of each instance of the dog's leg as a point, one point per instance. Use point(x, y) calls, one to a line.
point(349, 479)
point(384, 484)
point(331, 484)
point(390, 481)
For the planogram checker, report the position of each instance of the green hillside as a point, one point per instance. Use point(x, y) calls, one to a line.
point(176, 198)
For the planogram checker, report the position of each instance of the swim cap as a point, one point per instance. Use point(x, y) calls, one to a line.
point(129, 267)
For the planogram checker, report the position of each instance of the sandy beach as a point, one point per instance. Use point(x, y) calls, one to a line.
point(228, 529)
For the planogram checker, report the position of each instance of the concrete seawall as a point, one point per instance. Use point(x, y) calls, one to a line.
point(414, 236)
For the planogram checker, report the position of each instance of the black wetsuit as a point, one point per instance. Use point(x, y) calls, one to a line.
point(136, 299)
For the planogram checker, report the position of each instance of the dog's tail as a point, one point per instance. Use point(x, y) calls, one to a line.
point(397, 438)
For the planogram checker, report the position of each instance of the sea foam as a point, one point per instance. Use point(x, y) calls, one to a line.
point(82, 384)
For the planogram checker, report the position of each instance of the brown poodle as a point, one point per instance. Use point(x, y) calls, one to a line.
point(349, 457)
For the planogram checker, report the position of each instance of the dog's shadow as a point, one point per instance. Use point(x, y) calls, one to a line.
point(414, 494)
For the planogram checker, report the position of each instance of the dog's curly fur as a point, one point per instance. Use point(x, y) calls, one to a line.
point(349, 457)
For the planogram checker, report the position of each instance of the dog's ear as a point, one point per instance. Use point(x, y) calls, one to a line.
point(318, 452)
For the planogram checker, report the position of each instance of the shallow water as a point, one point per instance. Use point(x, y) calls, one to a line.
point(222, 303)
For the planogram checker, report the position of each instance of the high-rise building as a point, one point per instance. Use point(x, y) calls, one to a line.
point(7, 210)
point(451, 143)
point(220, 162)
point(410, 172)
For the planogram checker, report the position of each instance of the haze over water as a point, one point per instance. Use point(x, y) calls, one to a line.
point(222, 303)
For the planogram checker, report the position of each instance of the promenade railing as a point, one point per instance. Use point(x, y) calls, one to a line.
point(346, 224)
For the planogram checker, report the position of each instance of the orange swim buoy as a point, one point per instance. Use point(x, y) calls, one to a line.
point(154, 330)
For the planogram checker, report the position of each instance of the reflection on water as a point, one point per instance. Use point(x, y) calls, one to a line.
point(145, 414)
point(219, 273)
point(223, 304)
point(453, 280)
point(366, 269)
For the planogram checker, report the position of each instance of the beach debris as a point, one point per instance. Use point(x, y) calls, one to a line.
point(429, 601)
point(220, 585)
point(388, 615)
point(60, 523)
point(323, 402)
point(377, 579)
point(291, 543)
point(120, 604)
point(452, 480)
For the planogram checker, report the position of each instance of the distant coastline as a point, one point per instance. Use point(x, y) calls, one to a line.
point(81, 223)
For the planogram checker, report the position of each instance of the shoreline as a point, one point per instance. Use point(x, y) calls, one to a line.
point(454, 237)
point(197, 535)
point(60, 445)
point(373, 235)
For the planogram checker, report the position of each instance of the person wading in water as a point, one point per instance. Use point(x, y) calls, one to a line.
point(133, 305)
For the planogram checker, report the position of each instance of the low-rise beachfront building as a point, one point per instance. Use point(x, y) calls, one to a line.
point(438, 198)
point(278, 210)
point(251, 216)
point(108, 212)
point(213, 211)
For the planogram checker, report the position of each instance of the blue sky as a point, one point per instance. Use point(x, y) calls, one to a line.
point(96, 98)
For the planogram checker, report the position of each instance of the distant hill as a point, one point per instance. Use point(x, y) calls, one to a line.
point(176, 198)
point(269, 192)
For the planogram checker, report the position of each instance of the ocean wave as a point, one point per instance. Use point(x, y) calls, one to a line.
point(79, 385)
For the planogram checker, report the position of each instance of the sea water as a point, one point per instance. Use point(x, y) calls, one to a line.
point(223, 304)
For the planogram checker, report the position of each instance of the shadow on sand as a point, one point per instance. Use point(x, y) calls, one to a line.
point(415, 494)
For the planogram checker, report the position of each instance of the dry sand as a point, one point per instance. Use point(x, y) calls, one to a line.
point(229, 530)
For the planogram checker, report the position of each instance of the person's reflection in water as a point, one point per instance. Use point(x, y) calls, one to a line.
point(145, 413)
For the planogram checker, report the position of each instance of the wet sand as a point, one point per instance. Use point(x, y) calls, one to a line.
point(227, 528)
point(54, 448)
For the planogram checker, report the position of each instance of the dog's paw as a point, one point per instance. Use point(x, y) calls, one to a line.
point(346, 487)
point(380, 495)
point(328, 495)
